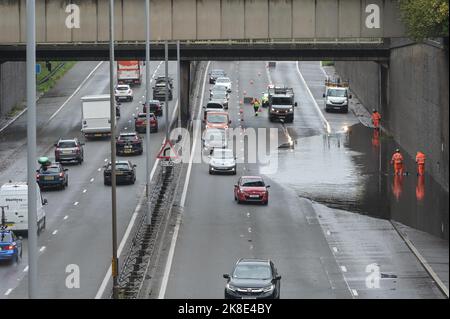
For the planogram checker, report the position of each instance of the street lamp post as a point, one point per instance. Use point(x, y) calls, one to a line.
point(31, 150)
point(114, 261)
point(179, 83)
point(166, 95)
point(147, 104)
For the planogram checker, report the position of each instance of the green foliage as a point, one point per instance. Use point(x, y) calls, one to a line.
point(327, 63)
point(46, 86)
point(425, 18)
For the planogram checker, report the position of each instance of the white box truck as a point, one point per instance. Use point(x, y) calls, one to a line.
point(15, 197)
point(96, 115)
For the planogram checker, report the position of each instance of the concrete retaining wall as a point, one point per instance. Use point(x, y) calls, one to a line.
point(415, 104)
point(12, 85)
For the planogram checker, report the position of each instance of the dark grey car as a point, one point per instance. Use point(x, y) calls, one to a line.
point(253, 279)
point(69, 150)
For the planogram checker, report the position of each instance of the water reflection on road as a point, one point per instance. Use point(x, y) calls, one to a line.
point(351, 171)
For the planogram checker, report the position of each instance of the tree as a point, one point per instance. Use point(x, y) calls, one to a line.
point(425, 18)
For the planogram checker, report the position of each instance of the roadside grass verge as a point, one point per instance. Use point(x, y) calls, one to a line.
point(44, 87)
point(327, 63)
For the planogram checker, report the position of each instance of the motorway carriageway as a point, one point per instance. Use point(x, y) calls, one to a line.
point(78, 230)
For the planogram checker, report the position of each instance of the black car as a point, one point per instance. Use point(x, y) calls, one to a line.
point(253, 279)
point(129, 144)
point(125, 173)
point(162, 79)
point(52, 175)
point(159, 92)
point(214, 74)
point(69, 150)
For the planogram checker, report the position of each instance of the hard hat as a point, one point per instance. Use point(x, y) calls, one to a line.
point(397, 150)
point(373, 110)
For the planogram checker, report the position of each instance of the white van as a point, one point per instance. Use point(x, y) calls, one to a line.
point(15, 196)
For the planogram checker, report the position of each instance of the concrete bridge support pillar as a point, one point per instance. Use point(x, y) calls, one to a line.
point(185, 71)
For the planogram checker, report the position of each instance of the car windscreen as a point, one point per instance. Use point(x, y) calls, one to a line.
point(220, 95)
point(219, 88)
point(223, 80)
point(217, 118)
point(217, 72)
point(252, 183)
point(127, 137)
point(252, 271)
point(214, 106)
point(223, 154)
point(67, 144)
point(281, 101)
point(122, 88)
point(50, 170)
point(5, 237)
point(122, 167)
point(337, 93)
point(144, 115)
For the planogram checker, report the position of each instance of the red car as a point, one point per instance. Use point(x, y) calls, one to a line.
point(140, 126)
point(251, 189)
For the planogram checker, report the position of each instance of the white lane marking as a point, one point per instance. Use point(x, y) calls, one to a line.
point(106, 159)
point(324, 120)
point(8, 291)
point(25, 269)
point(92, 179)
point(323, 70)
point(55, 232)
point(75, 92)
point(354, 293)
point(251, 247)
point(249, 229)
point(165, 279)
point(75, 204)
point(42, 249)
point(84, 191)
point(65, 217)
point(335, 249)
point(328, 233)
point(105, 281)
point(248, 215)
point(344, 269)
point(99, 169)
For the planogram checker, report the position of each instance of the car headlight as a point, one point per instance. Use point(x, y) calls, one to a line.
point(269, 288)
point(291, 109)
point(231, 287)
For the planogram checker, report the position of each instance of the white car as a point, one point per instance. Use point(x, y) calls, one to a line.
point(224, 81)
point(222, 161)
point(214, 138)
point(123, 92)
point(218, 88)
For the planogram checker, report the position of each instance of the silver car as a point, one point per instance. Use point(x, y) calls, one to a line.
point(220, 97)
point(224, 81)
point(218, 88)
point(214, 138)
point(222, 161)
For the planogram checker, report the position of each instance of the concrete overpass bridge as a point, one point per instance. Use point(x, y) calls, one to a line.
point(209, 29)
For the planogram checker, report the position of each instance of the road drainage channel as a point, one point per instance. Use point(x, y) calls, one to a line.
point(143, 248)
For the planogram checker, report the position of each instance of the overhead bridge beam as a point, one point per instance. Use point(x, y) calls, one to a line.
point(200, 51)
point(75, 21)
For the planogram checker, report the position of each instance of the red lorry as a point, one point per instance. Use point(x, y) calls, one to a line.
point(129, 72)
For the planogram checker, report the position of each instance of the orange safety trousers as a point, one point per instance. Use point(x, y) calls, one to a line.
point(420, 160)
point(397, 159)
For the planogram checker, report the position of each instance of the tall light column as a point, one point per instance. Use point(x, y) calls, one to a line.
point(147, 99)
point(114, 261)
point(31, 151)
point(179, 83)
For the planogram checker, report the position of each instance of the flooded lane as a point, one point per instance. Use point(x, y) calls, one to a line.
point(351, 171)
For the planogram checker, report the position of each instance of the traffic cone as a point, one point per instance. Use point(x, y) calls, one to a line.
point(245, 93)
point(251, 81)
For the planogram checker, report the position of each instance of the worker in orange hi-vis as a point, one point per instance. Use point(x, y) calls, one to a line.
point(376, 118)
point(397, 160)
point(420, 160)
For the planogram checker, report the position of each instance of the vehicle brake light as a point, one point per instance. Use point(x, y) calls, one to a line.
point(61, 174)
point(10, 247)
point(37, 176)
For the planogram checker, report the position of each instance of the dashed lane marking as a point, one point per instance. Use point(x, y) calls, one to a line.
point(55, 232)
point(344, 269)
point(75, 204)
point(42, 249)
point(91, 180)
point(354, 293)
point(65, 217)
point(25, 269)
point(84, 191)
point(8, 291)
point(335, 249)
